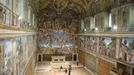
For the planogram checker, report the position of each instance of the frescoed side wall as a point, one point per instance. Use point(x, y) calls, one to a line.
point(57, 36)
point(107, 46)
point(127, 50)
point(15, 54)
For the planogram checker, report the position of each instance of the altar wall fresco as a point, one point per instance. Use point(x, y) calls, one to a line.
point(57, 37)
point(57, 42)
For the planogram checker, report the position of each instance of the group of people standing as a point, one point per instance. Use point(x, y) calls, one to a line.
point(67, 70)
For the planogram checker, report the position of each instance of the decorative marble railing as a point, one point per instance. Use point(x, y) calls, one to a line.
point(9, 18)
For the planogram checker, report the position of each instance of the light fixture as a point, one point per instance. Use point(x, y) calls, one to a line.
point(115, 27)
point(110, 20)
point(20, 17)
point(85, 29)
point(96, 29)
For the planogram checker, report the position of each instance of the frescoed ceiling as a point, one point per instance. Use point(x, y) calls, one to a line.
point(66, 14)
point(76, 8)
point(72, 9)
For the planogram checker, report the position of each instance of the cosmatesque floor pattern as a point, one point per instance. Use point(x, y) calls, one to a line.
point(47, 70)
point(75, 71)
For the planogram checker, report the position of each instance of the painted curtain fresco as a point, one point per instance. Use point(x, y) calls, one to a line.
point(25, 46)
point(19, 50)
point(7, 64)
point(1, 58)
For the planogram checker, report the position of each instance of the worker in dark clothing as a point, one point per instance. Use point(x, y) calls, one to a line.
point(65, 71)
point(70, 68)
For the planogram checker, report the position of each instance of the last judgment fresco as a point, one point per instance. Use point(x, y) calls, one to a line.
point(57, 37)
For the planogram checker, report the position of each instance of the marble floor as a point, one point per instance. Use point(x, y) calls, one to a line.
point(76, 71)
point(48, 70)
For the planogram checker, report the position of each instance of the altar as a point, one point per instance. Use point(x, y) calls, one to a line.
point(42, 58)
point(58, 59)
